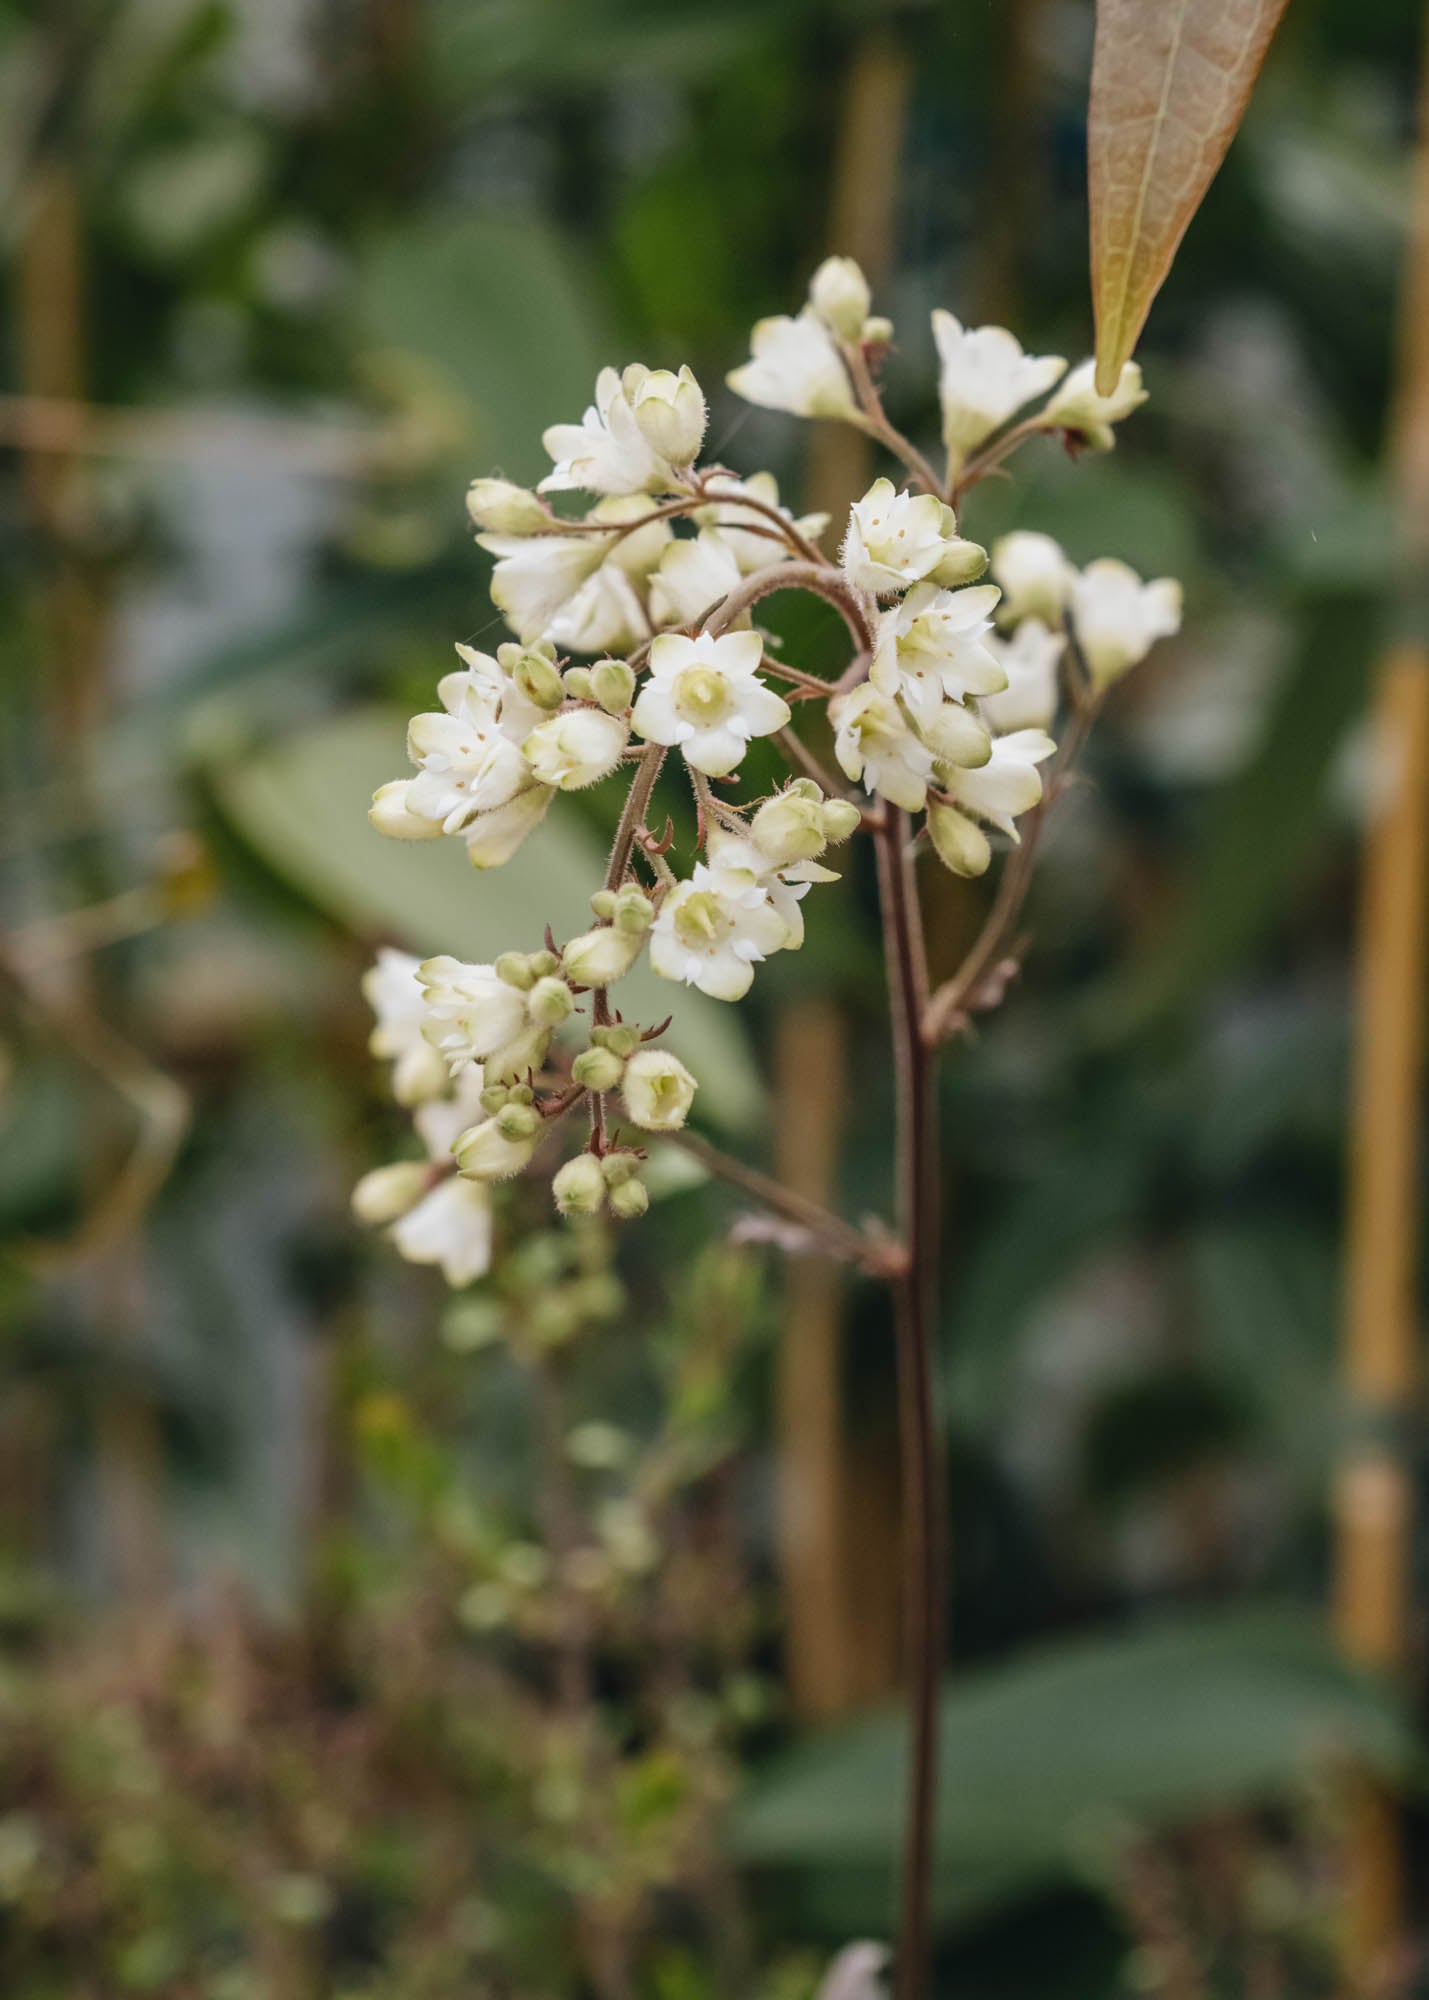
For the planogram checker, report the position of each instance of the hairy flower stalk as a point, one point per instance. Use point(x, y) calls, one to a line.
point(964, 680)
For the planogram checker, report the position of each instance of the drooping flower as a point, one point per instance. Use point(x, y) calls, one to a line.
point(1118, 618)
point(609, 451)
point(576, 748)
point(1077, 407)
point(794, 366)
point(705, 696)
point(1007, 785)
point(471, 1013)
point(493, 837)
point(467, 764)
point(658, 1090)
point(397, 998)
point(536, 576)
point(391, 813)
point(714, 929)
point(1034, 574)
point(1029, 658)
point(873, 743)
point(896, 539)
point(936, 646)
point(984, 378)
point(449, 1227)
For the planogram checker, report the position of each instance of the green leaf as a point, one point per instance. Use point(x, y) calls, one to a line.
point(1043, 1761)
point(302, 805)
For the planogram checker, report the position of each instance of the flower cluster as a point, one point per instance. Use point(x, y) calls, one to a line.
point(636, 650)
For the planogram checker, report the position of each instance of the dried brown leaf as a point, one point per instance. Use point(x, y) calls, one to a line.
point(1170, 83)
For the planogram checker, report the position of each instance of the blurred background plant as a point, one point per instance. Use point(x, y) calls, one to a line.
point(359, 1642)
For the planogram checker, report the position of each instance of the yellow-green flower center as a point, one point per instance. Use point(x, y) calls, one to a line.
point(701, 696)
point(699, 920)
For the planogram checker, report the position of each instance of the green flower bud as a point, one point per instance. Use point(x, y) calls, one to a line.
point(543, 964)
point(579, 1187)
point(620, 1037)
point(601, 956)
point(840, 817)
point(612, 682)
point(603, 904)
point(485, 1153)
point(619, 1167)
point(838, 293)
point(597, 1069)
point(629, 1199)
point(578, 684)
point(960, 844)
point(518, 1121)
point(961, 562)
point(539, 681)
point(550, 1002)
point(790, 827)
point(634, 912)
point(515, 968)
point(495, 1096)
point(498, 507)
point(958, 737)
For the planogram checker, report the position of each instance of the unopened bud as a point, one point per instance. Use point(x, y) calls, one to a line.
point(629, 1199)
point(840, 817)
point(957, 737)
point(634, 912)
point(390, 814)
point(960, 843)
point(550, 1002)
point(603, 955)
point(603, 904)
point(539, 681)
point(618, 1036)
point(619, 1167)
point(597, 1069)
point(577, 683)
point(839, 294)
point(518, 1121)
point(518, 1057)
point(484, 1153)
point(790, 827)
point(877, 331)
point(670, 411)
point(543, 963)
point(498, 507)
point(514, 968)
point(494, 1096)
point(960, 562)
point(388, 1192)
point(612, 682)
point(579, 1187)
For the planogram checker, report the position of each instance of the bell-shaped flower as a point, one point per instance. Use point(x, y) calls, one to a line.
point(795, 366)
point(936, 646)
point(669, 411)
point(1034, 575)
point(397, 998)
point(576, 748)
point(873, 743)
point(693, 577)
point(536, 576)
point(658, 1090)
point(714, 929)
point(751, 536)
point(607, 451)
point(1007, 785)
point(1029, 659)
point(1118, 618)
point(1076, 406)
point(983, 379)
point(895, 539)
point(471, 1013)
point(705, 696)
point(466, 762)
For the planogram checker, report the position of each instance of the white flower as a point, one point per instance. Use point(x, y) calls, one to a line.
point(450, 1227)
point(670, 412)
point(391, 813)
point(874, 743)
point(984, 378)
point(795, 366)
point(743, 529)
point(1008, 784)
point(498, 507)
point(1029, 660)
point(638, 550)
point(1118, 618)
point(936, 646)
point(537, 575)
point(433, 1220)
point(599, 957)
point(491, 679)
point(466, 762)
point(658, 1090)
point(838, 293)
point(959, 842)
point(784, 882)
point(714, 929)
point(705, 696)
point(692, 577)
point(576, 748)
point(498, 1147)
point(894, 538)
point(470, 1012)
point(493, 837)
point(1034, 574)
point(604, 616)
point(396, 996)
point(1077, 406)
point(607, 451)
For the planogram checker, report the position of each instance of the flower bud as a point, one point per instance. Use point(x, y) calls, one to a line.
point(658, 1090)
point(494, 1096)
point(576, 749)
point(390, 814)
point(539, 681)
point(514, 968)
point(670, 411)
point(576, 681)
point(597, 1069)
point(961, 562)
point(956, 736)
point(550, 1002)
point(603, 904)
point(877, 332)
point(841, 817)
point(484, 1153)
point(388, 1192)
point(620, 1037)
point(543, 964)
point(579, 1187)
point(612, 682)
point(498, 507)
point(790, 827)
point(629, 1199)
point(518, 1121)
point(839, 294)
point(598, 957)
point(634, 912)
point(518, 1057)
point(960, 844)
point(620, 1166)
